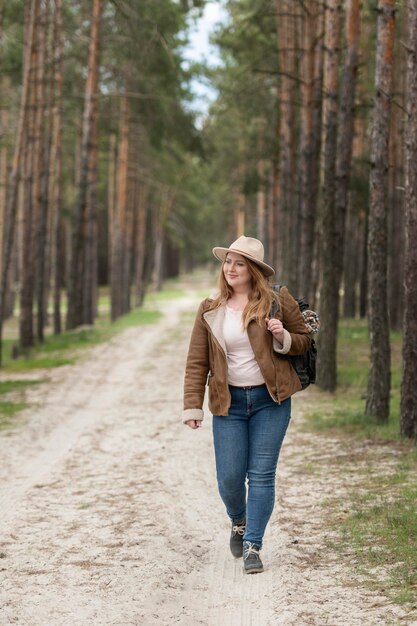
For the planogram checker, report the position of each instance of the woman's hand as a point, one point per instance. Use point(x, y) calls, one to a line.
point(194, 424)
point(276, 328)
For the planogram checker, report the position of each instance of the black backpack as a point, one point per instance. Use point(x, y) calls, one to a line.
point(304, 364)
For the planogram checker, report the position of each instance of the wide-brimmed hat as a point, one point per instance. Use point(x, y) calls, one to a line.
point(248, 247)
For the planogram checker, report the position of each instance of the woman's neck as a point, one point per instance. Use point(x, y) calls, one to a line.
point(239, 299)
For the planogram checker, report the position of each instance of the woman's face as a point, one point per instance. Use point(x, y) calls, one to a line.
point(236, 272)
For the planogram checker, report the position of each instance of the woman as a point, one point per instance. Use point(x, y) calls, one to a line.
point(238, 351)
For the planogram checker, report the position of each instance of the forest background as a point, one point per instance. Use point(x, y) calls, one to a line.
point(108, 177)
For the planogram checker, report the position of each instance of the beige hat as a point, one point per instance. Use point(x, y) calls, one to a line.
point(248, 247)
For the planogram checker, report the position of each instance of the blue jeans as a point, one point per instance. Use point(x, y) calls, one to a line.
point(247, 443)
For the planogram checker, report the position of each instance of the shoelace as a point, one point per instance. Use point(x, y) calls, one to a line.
point(239, 529)
point(250, 549)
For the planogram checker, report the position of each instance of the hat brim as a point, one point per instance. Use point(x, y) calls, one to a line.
point(220, 254)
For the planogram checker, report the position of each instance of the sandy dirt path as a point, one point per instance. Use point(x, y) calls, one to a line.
point(109, 511)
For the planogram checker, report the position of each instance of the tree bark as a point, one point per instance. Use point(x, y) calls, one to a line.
point(15, 172)
point(396, 184)
point(287, 213)
point(309, 145)
point(56, 164)
point(346, 127)
point(379, 380)
point(140, 244)
point(118, 249)
point(408, 418)
point(329, 301)
point(78, 240)
point(44, 136)
point(31, 187)
point(261, 193)
point(90, 249)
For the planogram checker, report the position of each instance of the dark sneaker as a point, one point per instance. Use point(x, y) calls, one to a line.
point(236, 538)
point(252, 563)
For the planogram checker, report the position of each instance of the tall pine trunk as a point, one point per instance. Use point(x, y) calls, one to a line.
point(286, 200)
point(330, 289)
point(346, 127)
point(118, 245)
point(17, 163)
point(408, 386)
point(76, 279)
point(31, 175)
point(379, 380)
point(309, 148)
point(91, 226)
point(261, 193)
point(140, 231)
point(44, 152)
point(396, 234)
point(56, 165)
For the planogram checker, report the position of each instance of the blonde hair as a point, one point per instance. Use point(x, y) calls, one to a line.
point(260, 297)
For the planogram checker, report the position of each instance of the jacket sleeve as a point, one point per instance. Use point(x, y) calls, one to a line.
point(196, 370)
point(296, 334)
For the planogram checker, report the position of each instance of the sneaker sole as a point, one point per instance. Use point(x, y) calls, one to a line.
point(255, 570)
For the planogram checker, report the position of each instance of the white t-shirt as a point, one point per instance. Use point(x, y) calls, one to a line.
point(242, 366)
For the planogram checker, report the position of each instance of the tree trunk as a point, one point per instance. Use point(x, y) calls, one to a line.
point(363, 286)
point(346, 127)
point(42, 174)
point(408, 387)
point(309, 148)
point(56, 164)
point(396, 183)
point(90, 250)
point(379, 380)
point(140, 245)
point(15, 173)
point(272, 248)
point(159, 241)
point(111, 209)
point(261, 193)
point(168, 198)
point(287, 215)
point(329, 301)
point(30, 185)
point(76, 277)
point(118, 248)
point(351, 256)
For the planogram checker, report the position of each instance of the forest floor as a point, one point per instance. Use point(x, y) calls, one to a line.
point(109, 511)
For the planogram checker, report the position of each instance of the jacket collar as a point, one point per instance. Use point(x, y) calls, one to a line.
point(215, 319)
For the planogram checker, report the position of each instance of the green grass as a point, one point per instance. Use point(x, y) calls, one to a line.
point(344, 410)
point(379, 521)
point(64, 349)
point(381, 530)
point(7, 386)
point(9, 408)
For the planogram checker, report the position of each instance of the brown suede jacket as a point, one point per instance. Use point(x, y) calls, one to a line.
point(207, 362)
